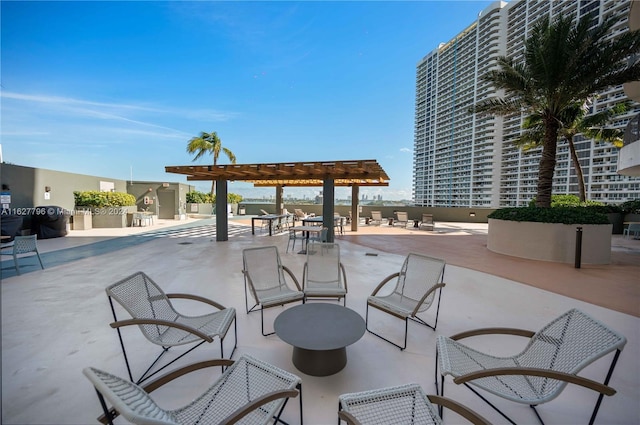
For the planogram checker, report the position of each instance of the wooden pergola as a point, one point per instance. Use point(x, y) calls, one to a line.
point(327, 174)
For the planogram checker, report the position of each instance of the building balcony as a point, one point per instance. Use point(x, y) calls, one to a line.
point(629, 159)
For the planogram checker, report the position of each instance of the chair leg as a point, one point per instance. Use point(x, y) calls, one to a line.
point(235, 343)
point(15, 264)
point(262, 323)
point(39, 259)
point(489, 403)
point(299, 386)
point(406, 325)
point(606, 382)
point(246, 300)
point(107, 413)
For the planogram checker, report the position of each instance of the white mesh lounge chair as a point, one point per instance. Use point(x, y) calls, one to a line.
point(552, 359)
point(298, 215)
point(427, 222)
point(402, 218)
point(415, 291)
point(20, 247)
point(264, 277)
point(402, 405)
point(376, 218)
point(151, 309)
point(323, 275)
point(249, 391)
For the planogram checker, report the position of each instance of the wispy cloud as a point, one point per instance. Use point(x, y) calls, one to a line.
point(406, 150)
point(126, 112)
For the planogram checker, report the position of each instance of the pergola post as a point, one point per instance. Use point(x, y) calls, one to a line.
point(279, 204)
point(328, 199)
point(355, 207)
point(222, 221)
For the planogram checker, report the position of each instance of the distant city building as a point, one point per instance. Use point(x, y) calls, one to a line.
point(464, 160)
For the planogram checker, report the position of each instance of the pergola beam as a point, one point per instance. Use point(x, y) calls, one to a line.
point(327, 174)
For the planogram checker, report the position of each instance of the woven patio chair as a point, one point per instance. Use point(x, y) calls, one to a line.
point(20, 247)
point(323, 275)
point(401, 405)
point(552, 359)
point(632, 230)
point(249, 391)
point(264, 277)
point(415, 290)
point(151, 310)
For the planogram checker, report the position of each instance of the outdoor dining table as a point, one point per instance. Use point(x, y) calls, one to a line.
point(312, 220)
point(317, 220)
point(270, 218)
point(306, 231)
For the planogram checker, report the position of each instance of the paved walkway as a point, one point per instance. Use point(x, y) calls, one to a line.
point(615, 286)
point(56, 321)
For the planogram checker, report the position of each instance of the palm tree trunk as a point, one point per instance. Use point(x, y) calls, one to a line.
point(579, 174)
point(547, 163)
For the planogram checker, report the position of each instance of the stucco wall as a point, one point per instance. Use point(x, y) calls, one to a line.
point(28, 186)
point(550, 241)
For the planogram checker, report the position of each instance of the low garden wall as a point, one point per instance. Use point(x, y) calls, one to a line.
point(550, 241)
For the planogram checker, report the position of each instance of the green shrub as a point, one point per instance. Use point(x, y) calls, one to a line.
point(195, 197)
point(631, 207)
point(605, 209)
point(564, 215)
point(94, 198)
point(567, 201)
point(234, 198)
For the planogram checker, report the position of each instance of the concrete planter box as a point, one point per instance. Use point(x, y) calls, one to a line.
point(82, 220)
point(550, 241)
point(111, 217)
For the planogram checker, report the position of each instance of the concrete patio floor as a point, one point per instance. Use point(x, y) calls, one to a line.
point(56, 321)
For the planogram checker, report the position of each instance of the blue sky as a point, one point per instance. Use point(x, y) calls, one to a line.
point(116, 89)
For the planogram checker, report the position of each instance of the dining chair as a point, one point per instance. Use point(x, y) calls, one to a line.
point(22, 246)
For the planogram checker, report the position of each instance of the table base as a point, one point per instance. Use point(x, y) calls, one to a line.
point(319, 362)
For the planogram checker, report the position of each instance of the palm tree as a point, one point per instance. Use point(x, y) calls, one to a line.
point(209, 143)
point(576, 120)
point(564, 64)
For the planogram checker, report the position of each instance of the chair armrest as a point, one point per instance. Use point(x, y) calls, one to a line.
point(304, 275)
point(290, 273)
point(461, 410)
point(168, 377)
point(175, 374)
point(197, 298)
point(129, 322)
point(545, 373)
point(493, 331)
point(384, 282)
point(424, 297)
point(344, 276)
point(250, 407)
point(348, 418)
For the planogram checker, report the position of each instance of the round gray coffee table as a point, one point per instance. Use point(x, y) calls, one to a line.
point(319, 334)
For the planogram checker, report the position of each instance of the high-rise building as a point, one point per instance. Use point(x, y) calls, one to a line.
point(467, 160)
